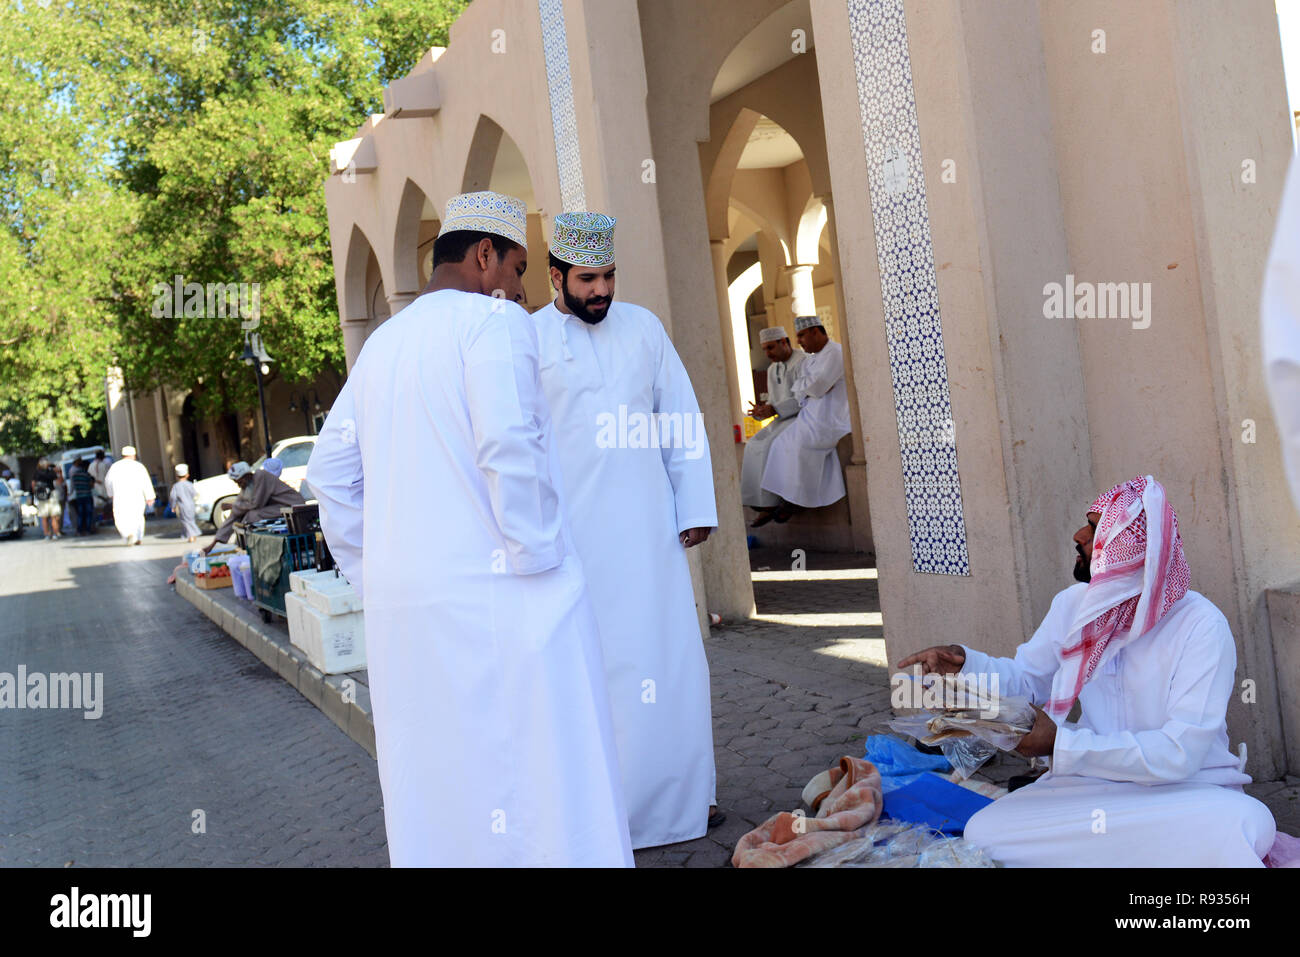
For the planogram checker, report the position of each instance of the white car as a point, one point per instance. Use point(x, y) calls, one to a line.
point(11, 513)
point(214, 496)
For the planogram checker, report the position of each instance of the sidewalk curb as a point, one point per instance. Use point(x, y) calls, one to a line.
point(275, 651)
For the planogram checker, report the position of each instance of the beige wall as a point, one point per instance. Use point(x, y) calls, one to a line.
point(1115, 167)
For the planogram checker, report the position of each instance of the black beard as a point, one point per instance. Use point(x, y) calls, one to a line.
point(579, 307)
point(1082, 570)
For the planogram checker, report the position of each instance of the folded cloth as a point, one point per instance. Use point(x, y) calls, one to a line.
point(1284, 853)
point(850, 803)
point(935, 801)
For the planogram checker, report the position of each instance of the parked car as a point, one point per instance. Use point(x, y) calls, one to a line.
point(213, 496)
point(11, 513)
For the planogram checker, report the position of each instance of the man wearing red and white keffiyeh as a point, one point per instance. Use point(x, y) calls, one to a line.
point(1146, 777)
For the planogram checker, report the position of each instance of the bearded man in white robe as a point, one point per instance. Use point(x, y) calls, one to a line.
point(782, 403)
point(638, 482)
point(1280, 327)
point(1146, 777)
point(803, 468)
point(129, 486)
point(492, 725)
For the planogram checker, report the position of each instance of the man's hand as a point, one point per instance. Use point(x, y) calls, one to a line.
point(941, 659)
point(694, 536)
point(1041, 739)
point(762, 411)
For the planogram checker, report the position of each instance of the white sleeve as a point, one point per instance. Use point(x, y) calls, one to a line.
point(1198, 695)
point(686, 455)
point(336, 475)
point(507, 411)
point(1029, 674)
point(823, 372)
point(1280, 327)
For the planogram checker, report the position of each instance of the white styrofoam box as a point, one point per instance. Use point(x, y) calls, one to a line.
point(334, 597)
point(300, 582)
point(300, 631)
point(334, 644)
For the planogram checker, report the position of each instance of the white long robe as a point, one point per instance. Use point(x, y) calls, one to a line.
point(492, 723)
point(1146, 778)
point(780, 395)
point(1280, 327)
point(129, 486)
point(802, 466)
point(628, 506)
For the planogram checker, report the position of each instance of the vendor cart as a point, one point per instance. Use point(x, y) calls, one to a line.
point(274, 553)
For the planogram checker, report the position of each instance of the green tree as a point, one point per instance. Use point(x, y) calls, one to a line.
point(199, 136)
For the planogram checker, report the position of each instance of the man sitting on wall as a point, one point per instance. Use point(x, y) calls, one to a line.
point(802, 467)
point(780, 402)
point(261, 496)
point(1146, 778)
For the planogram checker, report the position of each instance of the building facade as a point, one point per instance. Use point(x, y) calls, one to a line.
point(1038, 228)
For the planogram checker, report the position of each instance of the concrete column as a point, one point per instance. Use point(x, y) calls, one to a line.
point(397, 301)
point(164, 446)
point(737, 356)
point(631, 144)
point(855, 474)
point(803, 301)
point(1227, 131)
point(354, 337)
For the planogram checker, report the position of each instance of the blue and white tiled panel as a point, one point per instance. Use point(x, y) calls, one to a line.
point(909, 288)
point(564, 121)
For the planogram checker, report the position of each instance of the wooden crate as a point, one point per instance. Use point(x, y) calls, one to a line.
point(209, 584)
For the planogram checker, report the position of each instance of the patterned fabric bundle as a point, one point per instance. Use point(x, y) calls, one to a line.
point(1138, 572)
point(850, 802)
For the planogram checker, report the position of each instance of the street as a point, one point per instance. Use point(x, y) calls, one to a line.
point(191, 723)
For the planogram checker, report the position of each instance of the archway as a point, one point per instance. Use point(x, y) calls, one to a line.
point(767, 173)
point(495, 161)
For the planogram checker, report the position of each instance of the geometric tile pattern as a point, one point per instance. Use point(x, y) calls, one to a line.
point(564, 121)
point(909, 289)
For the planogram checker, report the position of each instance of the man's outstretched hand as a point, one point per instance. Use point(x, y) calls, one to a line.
point(941, 659)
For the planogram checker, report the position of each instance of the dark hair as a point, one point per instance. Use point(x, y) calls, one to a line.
point(561, 265)
point(451, 247)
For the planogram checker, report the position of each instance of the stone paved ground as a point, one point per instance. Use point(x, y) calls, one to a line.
point(190, 721)
point(193, 720)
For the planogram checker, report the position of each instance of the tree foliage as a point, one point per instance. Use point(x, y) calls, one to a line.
point(148, 139)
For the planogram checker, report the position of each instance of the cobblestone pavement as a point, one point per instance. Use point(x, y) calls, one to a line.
point(191, 721)
point(194, 721)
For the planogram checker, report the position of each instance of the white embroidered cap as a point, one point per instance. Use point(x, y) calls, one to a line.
point(772, 334)
point(487, 212)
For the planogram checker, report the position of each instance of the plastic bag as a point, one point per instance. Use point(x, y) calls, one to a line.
point(902, 845)
point(967, 755)
point(971, 712)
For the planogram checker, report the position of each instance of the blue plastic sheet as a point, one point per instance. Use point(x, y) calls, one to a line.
point(932, 800)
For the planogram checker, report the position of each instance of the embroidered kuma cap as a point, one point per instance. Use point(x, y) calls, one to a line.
point(806, 322)
point(487, 212)
point(584, 239)
point(772, 334)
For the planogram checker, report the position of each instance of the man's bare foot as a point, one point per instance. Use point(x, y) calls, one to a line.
point(716, 817)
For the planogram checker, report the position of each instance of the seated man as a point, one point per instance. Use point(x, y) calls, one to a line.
point(780, 402)
point(261, 496)
point(1146, 778)
point(802, 467)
